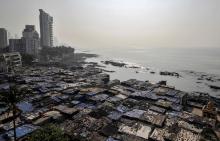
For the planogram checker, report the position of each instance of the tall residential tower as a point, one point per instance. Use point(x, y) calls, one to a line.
point(46, 29)
point(3, 38)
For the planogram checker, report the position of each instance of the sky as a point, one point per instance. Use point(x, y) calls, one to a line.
point(120, 23)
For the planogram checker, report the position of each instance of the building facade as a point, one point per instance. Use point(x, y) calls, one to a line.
point(31, 39)
point(3, 38)
point(46, 29)
point(17, 45)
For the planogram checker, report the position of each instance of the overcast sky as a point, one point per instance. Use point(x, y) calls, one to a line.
point(114, 23)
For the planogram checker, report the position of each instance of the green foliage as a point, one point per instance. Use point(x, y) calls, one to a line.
point(2, 59)
point(27, 59)
point(12, 96)
point(9, 98)
point(56, 51)
point(48, 133)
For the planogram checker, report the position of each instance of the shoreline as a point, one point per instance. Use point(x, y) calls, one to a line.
point(209, 82)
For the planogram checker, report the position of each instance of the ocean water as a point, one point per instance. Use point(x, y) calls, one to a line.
point(202, 61)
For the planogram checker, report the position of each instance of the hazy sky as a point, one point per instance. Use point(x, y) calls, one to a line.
point(118, 23)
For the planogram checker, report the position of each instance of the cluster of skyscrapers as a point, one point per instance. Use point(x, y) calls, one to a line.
point(30, 42)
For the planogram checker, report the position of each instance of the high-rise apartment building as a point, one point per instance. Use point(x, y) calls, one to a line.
point(31, 39)
point(46, 29)
point(3, 38)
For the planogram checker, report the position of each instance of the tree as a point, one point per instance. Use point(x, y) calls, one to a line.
point(48, 133)
point(27, 59)
point(10, 98)
point(56, 51)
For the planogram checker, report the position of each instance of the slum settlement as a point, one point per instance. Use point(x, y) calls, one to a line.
point(87, 105)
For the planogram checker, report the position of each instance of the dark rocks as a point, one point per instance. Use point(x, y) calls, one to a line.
point(170, 73)
point(162, 83)
point(204, 76)
point(152, 72)
point(110, 71)
point(121, 64)
point(134, 67)
point(214, 87)
point(114, 63)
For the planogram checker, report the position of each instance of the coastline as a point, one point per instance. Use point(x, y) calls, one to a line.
point(186, 80)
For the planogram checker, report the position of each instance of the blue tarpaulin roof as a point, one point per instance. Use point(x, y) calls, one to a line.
point(25, 106)
point(22, 130)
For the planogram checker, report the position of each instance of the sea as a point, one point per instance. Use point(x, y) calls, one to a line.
point(190, 63)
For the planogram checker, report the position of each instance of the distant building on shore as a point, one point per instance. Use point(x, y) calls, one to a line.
point(3, 38)
point(28, 44)
point(46, 29)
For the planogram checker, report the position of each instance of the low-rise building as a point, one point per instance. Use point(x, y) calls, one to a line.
point(138, 129)
point(10, 61)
